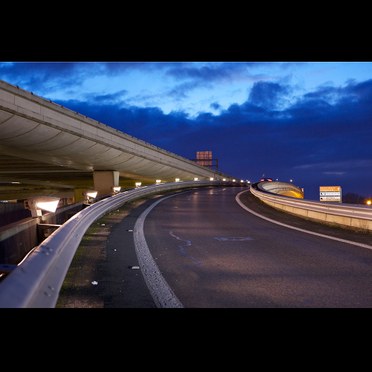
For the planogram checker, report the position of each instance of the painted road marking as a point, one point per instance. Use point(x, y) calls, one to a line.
point(233, 238)
point(237, 198)
point(160, 291)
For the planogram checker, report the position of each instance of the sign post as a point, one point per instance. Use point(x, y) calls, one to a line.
point(330, 194)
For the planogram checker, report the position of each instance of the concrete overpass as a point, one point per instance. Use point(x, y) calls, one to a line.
point(48, 149)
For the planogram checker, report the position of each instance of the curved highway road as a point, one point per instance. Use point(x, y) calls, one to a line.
point(213, 253)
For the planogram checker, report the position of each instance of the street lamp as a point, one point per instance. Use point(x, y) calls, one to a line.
point(116, 189)
point(42, 203)
point(89, 196)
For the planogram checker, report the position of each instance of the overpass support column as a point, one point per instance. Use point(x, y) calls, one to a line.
point(104, 181)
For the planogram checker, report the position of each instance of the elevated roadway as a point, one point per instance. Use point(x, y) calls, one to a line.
point(48, 149)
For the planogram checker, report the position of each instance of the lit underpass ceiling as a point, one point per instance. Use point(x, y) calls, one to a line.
point(21, 178)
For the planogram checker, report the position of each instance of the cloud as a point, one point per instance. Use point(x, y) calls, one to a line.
point(350, 164)
point(335, 173)
point(215, 106)
point(215, 72)
point(268, 95)
point(45, 76)
point(362, 92)
point(180, 91)
point(117, 68)
point(112, 98)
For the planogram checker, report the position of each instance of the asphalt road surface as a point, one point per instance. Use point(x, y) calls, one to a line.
point(214, 254)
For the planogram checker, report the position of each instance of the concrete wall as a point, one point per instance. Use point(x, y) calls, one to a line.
point(358, 218)
point(18, 238)
point(12, 212)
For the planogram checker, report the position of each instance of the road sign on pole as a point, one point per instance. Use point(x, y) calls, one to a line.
point(330, 193)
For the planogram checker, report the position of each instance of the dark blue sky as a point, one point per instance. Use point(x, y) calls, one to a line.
point(310, 122)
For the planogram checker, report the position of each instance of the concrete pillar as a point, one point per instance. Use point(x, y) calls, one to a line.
point(104, 181)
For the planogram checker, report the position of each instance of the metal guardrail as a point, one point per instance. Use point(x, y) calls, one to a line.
point(360, 212)
point(36, 281)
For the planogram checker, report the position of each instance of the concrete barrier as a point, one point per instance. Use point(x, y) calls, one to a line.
point(356, 217)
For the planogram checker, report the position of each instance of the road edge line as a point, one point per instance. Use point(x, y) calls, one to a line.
point(162, 294)
point(237, 199)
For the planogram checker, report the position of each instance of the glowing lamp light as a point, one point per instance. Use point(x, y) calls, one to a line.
point(234, 180)
point(369, 202)
point(91, 194)
point(177, 180)
point(211, 179)
point(42, 203)
point(48, 205)
point(116, 189)
point(223, 179)
point(196, 179)
point(138, 184)
point(157, 182)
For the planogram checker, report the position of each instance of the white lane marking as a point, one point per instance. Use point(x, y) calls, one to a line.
point(237, 198)
point(233, 238)
point(159, 288)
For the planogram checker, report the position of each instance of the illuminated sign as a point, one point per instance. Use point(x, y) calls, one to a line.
point(330, 193)
point(330, 188)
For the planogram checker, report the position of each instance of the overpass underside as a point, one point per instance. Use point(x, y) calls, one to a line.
point(48, 149)
point(23, 178)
